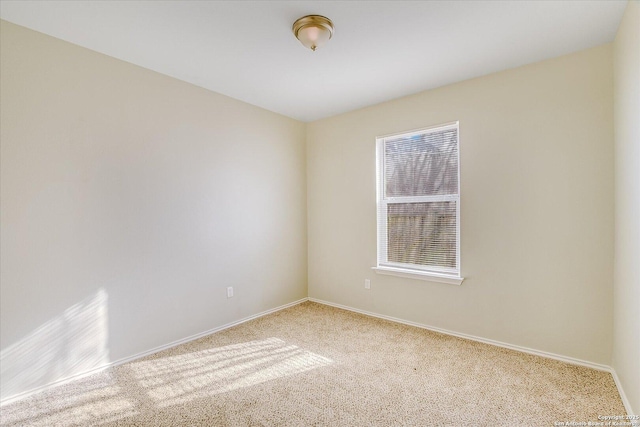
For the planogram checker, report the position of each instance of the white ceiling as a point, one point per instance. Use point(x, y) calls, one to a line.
point(380, 50)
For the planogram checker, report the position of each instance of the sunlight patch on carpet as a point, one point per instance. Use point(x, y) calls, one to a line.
point(87, 400)
point(179, 379)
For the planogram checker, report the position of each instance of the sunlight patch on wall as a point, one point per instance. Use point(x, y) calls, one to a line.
point(69, 344)
point(179, 379)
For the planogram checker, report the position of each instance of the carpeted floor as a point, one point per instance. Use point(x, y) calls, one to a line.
point(314, 365)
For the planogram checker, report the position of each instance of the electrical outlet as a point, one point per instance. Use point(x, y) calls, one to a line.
point(229, 291)
point(367, 284)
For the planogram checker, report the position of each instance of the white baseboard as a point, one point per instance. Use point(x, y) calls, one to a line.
point(561, 358)
point(144, 354)
point(623, 396)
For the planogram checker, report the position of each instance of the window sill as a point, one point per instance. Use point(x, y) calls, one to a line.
point(420, 275)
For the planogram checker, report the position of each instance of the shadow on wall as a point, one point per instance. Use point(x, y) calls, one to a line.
point(70, 344)
point(135, 392)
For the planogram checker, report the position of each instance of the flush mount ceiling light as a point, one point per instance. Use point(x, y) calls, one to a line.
point(313, 30)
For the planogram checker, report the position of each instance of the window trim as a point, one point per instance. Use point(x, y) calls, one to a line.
point(436, 274)
point(430, 276)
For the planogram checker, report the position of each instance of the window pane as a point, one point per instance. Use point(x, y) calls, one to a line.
point(422, 165)
point(422, 233)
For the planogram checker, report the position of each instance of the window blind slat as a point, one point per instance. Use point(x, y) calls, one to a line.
point(422, 233)
point(421, 165)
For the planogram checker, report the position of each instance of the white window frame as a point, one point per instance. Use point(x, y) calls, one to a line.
point(414, 271)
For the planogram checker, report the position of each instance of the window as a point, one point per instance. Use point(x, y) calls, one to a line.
point(419, 204)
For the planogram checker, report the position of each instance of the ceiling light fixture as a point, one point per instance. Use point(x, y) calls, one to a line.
point(313, 30)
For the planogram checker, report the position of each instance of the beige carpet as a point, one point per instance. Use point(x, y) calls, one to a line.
point(314, 365)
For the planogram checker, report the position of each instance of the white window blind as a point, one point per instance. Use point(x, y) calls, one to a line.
point(419, 201)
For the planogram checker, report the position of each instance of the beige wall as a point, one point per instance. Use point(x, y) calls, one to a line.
point(626, 335)
point(130, 201)
point(536, 207)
